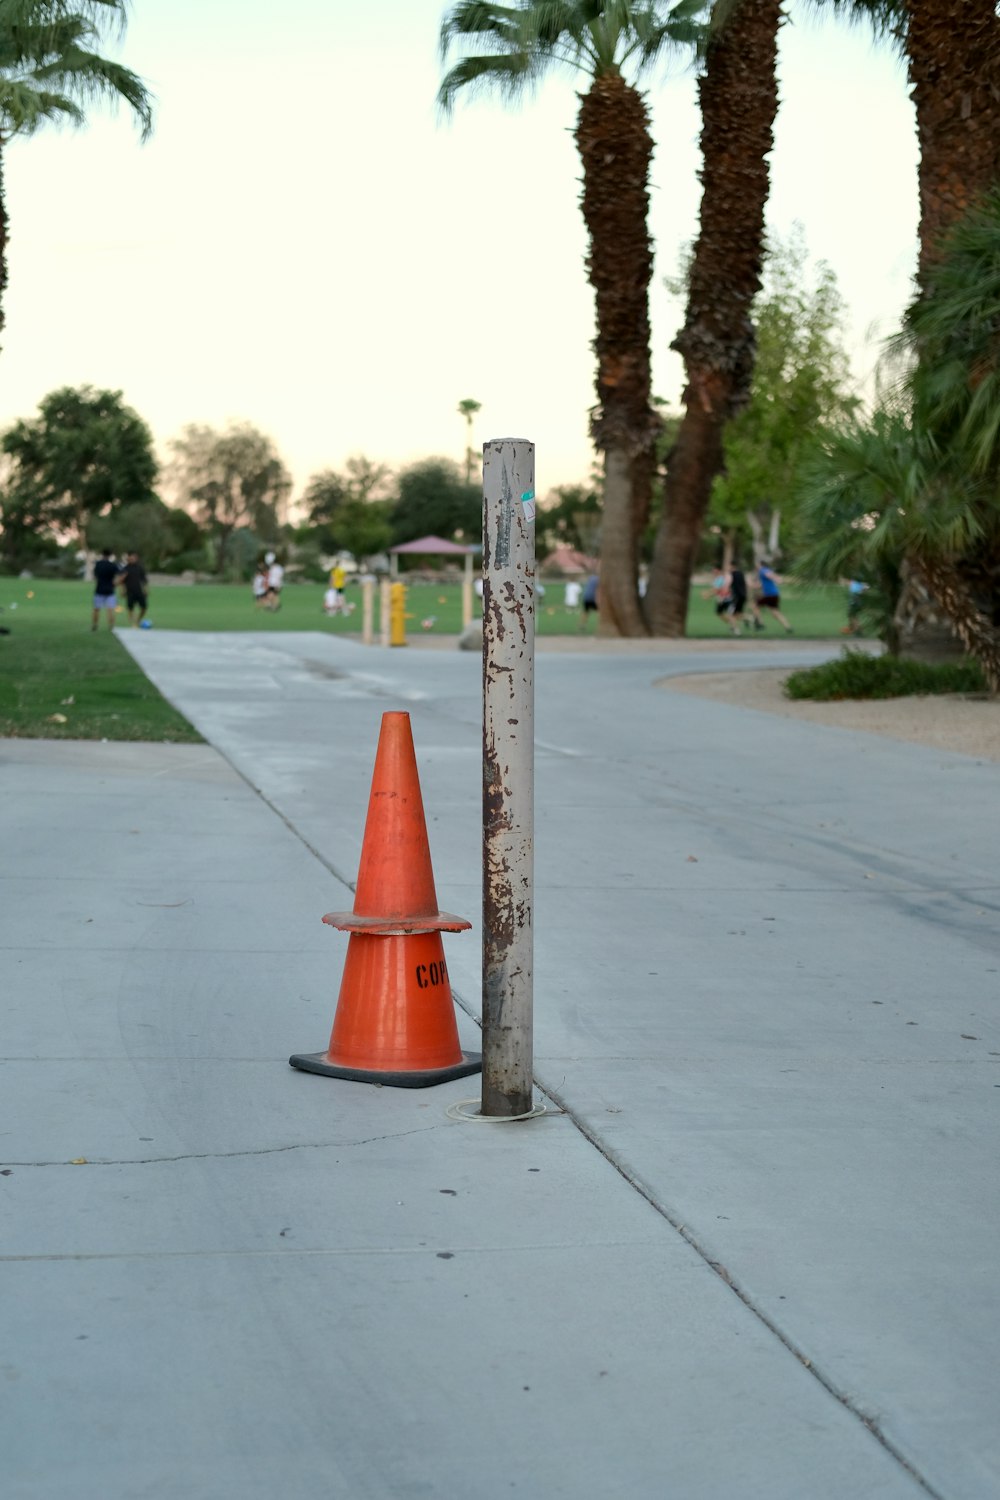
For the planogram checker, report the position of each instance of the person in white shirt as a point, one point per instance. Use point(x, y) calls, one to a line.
point(275, 581)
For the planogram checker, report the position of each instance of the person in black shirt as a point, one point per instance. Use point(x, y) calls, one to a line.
point(105, 578)
point(134, 579)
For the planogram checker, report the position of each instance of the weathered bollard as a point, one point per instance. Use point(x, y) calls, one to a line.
point(508, 773)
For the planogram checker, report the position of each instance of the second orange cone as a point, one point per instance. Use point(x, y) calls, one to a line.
point(395, 1019)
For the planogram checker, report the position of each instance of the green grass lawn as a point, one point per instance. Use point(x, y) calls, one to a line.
point(58, 681)
point(815, 613)
point(51, 656)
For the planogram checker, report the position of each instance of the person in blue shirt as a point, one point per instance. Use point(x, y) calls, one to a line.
point(769, 597)
point(856, 591)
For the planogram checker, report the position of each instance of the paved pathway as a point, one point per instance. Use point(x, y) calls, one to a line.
point(754, 1256)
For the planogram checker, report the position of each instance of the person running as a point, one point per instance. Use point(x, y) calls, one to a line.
point(737, 599)
point(134, 578)
point(591, 600)
point(275, 581)
point(769, 597)
point(729, 590)
point(856, 591)
point(334, 602)
point(106, 572)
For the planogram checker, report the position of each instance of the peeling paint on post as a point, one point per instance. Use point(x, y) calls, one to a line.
point(508, 772)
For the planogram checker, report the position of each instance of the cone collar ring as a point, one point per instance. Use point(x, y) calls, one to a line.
point(388, 926)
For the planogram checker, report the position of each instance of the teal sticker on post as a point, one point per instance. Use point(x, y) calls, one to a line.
point(528, 502)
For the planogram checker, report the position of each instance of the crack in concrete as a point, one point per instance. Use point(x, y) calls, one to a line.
point(528, 1247)
point(146, 1161)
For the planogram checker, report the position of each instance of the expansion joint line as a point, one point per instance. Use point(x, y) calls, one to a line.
point(828, 1384)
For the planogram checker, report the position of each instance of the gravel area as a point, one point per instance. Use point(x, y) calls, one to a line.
point(949, 721)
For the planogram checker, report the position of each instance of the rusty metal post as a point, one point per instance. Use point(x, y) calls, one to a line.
point(508, 773)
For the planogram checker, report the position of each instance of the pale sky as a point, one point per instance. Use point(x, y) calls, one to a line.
point(304, 244)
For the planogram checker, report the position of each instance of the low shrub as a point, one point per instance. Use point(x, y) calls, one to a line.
point(855, 674)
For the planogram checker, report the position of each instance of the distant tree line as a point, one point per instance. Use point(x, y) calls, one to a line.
point(82, 474)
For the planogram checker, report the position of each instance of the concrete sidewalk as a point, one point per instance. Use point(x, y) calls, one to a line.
point(750, 1252)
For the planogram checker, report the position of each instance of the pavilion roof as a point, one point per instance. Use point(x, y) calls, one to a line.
point(437, 545)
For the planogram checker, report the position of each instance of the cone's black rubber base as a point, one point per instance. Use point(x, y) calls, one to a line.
point(315, 1062)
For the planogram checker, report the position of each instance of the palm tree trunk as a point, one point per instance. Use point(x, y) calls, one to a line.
point(953, 61)
point(977, 633)
point(953, 56)
point(3, 240)
point(615, 146)
point(695, 460)
point(738, 91)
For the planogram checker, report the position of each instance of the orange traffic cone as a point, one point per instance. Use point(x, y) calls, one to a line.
point(395, 1019)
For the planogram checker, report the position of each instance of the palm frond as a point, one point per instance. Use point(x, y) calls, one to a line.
point(510, 75)
point(92, 77)
point(595, 36)
point(482, 19)
point(46, 49)
point(24, 108)
point(954, 329)
point(885, 17)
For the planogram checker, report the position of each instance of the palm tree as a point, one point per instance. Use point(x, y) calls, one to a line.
point(952, 50)
point(605, 39)
point(738, 93)
point(468, 409)
point(49, 72)
point(920, 479)
point(953, 60)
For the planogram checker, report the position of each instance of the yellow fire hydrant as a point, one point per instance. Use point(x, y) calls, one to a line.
point(397, 614)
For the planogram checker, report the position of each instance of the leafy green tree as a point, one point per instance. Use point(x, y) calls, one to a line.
point(230, 480)
point(351, 511)
point(432, 499)
point(25, 535)
point(49, 71)
point(605, 40)
point(84, 453)
point(738, 95)
point(158, 533)
point(327, 492)
point(364, 527)
point(799, 387)
point(917, 487)
point(571, 517)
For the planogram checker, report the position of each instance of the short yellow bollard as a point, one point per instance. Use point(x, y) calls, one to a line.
point(397, 614)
